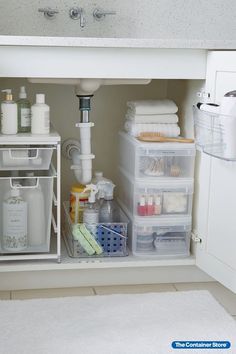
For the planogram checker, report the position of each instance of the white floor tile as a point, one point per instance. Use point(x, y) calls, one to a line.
point(5, 295)
point(133, 289)
point(224, 296)
point(50, 293)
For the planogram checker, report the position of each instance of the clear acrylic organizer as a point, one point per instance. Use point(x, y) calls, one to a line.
point(112, 237)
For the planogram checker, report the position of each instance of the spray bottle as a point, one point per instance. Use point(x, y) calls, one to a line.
point(91, 211)
point(109, 211)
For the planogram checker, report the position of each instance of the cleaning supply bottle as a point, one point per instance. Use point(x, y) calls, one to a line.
point(109, 211)
point(40, 120)
point(15, 222)
point(91, 211)
point(8, 114)
point(23, 112)
point(78, 201)
point(36, 211)
point(99, 180)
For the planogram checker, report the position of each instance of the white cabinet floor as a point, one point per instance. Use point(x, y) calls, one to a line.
point(224, 296)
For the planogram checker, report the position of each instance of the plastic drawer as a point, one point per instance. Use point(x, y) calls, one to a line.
point(156, 160)
point(112, 237)
point(45, 183)
point(164, 238)
point(24, 158)
point(160, 199)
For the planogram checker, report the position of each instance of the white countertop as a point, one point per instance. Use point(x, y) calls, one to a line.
point(115, 42)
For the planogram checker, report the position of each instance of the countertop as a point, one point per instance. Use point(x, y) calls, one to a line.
point(116, 42)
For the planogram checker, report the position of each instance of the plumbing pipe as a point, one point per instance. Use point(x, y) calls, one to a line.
point(85, 137)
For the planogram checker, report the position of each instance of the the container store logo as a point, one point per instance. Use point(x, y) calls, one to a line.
point(201, 345)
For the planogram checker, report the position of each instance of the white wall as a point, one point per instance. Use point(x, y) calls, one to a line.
point(182, 19)
point(108, 110)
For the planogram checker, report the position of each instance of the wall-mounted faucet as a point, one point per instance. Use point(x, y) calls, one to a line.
point(99, 14)
point(77, 13)
point(48, 12)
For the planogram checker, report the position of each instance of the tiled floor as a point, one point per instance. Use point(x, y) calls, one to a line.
point(225, 297)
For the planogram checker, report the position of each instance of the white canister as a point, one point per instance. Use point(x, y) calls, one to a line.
point(40, 119)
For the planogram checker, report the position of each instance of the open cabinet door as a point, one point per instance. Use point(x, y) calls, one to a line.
point(215, 209)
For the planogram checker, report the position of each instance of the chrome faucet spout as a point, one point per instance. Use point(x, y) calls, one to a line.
point(77, 13)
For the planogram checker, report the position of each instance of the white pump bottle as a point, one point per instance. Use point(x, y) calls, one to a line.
point(8, 114)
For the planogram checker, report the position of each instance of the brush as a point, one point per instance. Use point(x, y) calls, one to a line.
point(158, 138)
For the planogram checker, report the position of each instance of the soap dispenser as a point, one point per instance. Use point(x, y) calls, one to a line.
point(8, 114)
point(23, 112)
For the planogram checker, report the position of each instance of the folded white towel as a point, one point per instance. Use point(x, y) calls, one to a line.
point(153, 107)
point(152, 118)
point(168, 130)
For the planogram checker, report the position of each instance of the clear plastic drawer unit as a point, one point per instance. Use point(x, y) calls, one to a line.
point(152, 199)
point(163, 238)
point(156, 160)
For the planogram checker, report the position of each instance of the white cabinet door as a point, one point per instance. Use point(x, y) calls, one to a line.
point(216, 207)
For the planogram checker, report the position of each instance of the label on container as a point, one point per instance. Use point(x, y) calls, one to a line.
point(25, 117)
point(15, 226)
point(90, 216)
point(77, 205)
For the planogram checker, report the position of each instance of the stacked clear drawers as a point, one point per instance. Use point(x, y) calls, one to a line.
point(156, 191)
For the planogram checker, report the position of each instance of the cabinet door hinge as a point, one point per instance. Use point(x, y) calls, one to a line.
point(195, 237)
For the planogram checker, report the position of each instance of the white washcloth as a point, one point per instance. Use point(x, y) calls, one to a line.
point(153, 107)
point(168, 130)
point(152, 118)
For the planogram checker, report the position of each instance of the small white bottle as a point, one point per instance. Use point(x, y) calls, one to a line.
point(36, 211)
point(40, 116)
point(8, 114)
point(15, 222)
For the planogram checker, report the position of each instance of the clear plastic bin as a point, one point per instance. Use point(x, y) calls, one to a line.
point(156, 160)
point(44, 182)
point(24, 158)
point(111, 237)
point(215, 134)
point(164, 238)
point(160, 199)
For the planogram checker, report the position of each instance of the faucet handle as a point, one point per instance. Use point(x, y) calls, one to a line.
point(48, 12)
point(100, 14)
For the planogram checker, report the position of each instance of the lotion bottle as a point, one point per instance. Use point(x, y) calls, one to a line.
point(40, 120)
point(15, 222)
point(36, 211)
point(8, 114)
point(23, 112)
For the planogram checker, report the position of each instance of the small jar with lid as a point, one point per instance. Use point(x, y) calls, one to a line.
point(78, 201)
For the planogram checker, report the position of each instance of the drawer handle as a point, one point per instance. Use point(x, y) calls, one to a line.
point(19, 186)
point(24, 157)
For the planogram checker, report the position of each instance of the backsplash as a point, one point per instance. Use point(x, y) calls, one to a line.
point(164, 19)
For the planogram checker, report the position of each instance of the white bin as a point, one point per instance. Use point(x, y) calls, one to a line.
point(24, 158)
point(156, 160)
point(173, 197)
point(45, 183)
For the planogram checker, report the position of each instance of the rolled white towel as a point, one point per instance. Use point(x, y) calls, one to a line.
point(152, 118)
point(153, 107)
point(168, 130)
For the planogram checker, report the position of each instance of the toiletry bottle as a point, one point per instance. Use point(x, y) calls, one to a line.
point(33, 195)
point(91, 211)
point(23, 112)
point(8, 114)
point(109, 211)
point(40, 119)
point(15, 222)
point(142, 206)
point(150, 206)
